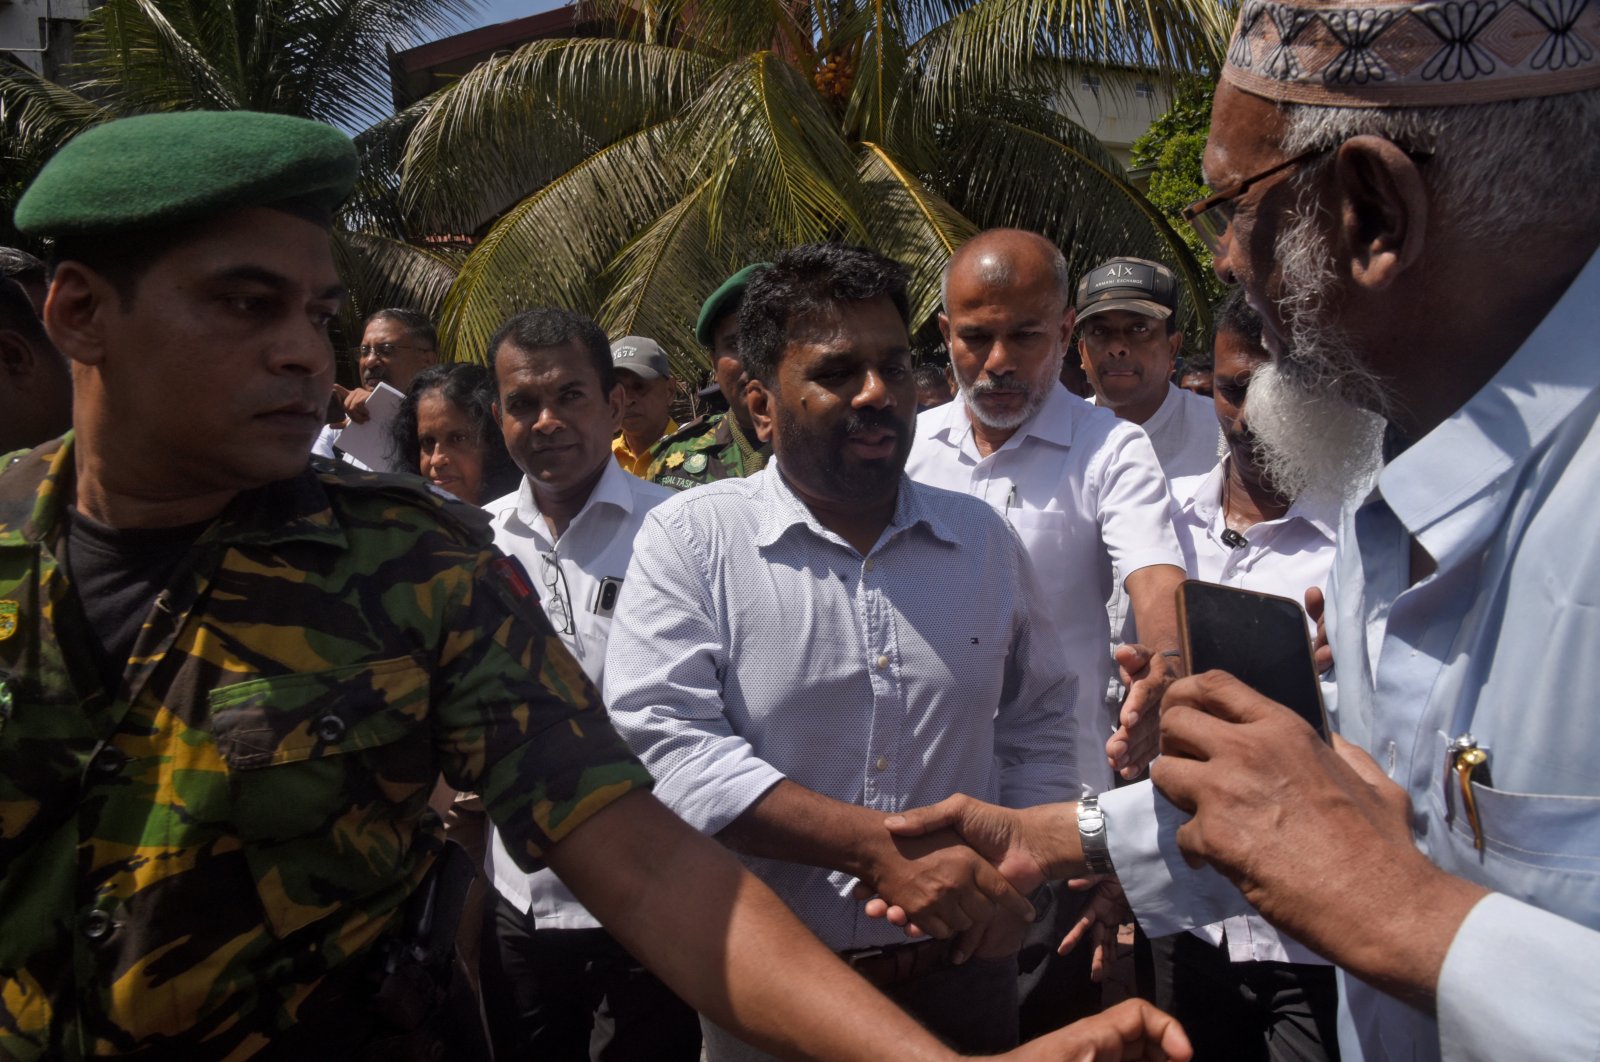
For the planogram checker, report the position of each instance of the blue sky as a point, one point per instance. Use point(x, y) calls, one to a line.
point(492, 11)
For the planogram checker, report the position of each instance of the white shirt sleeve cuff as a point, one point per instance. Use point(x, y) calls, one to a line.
point(1519, 982)
point(1166, 894)
point(1148, 558)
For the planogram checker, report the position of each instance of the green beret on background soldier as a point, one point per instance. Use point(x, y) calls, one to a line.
point(718, 445)
point(229, 679)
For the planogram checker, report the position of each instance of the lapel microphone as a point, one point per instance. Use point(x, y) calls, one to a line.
point(1232, 539)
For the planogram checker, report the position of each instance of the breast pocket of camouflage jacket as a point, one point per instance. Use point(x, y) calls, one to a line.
point(328, 774)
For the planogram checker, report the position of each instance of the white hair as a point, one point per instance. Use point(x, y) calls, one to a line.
point(1498, 169)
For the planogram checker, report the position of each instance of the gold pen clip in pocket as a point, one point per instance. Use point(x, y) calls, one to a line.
point(1469, 763)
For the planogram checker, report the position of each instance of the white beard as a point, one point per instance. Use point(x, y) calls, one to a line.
point(1315, 410)
point(1006, 421)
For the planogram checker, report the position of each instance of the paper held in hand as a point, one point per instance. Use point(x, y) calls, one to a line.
point(369, 443)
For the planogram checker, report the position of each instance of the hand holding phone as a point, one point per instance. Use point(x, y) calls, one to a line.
point(1259, 639)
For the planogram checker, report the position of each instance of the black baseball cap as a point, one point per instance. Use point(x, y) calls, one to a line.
point(1135, 284)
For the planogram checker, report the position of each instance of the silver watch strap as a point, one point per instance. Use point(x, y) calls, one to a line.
point(1092, 836)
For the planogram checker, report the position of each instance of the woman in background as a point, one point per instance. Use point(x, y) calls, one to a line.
point(446, 430)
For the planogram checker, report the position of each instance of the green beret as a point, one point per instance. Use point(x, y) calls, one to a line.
point(723, 301)
point(165, 169)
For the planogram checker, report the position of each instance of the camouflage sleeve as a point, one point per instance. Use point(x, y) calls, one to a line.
point(519, 722)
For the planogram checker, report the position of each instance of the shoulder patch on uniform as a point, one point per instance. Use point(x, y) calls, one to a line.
point(695, 464)
point(511, 573)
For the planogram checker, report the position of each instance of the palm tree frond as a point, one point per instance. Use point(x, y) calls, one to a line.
point(547, 250)
point(1076, 194)
point(911, 225)
point(154, 57)
point(990, 44)
point(380, 271)
point(659, 280)
point(774, 152)
point(519, 121)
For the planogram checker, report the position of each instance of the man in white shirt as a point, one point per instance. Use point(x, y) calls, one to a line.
point(1083, 489)
point(1444, 854)
point(556, 985)
point(1088, 499)
point(826, 642)
point(396, 344)
point(1242, 989)
point(1128, 341)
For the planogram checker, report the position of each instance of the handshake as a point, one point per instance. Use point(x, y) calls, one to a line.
point(966, 870)
point(975, 865)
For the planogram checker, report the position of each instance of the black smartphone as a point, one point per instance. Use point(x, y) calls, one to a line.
point(1259, 639)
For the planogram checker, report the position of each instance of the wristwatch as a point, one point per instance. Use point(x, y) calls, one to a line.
point(1092, 836)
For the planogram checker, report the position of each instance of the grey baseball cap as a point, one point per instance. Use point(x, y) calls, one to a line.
point(1136, 284)
point(640, 356)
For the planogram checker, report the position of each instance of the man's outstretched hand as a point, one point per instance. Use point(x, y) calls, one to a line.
point(1147, 674)
point(1098, 922)
point(1130, 1031)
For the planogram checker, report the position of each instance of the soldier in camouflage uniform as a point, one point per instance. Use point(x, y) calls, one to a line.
point(202, 831)
point(269, 773)
point(718, 445)
point(219, 726)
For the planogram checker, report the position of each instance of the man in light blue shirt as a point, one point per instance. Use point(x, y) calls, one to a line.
point(1381, 220)
point(807, 650)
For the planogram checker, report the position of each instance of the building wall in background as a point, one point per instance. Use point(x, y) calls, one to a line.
point(39, 33)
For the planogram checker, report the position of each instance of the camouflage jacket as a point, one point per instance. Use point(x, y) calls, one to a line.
point(202, 858)
point(705, 450)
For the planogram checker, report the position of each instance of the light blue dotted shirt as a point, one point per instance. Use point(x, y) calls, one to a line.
point(752, 645)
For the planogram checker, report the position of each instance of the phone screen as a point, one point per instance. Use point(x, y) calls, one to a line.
point(1259, 639)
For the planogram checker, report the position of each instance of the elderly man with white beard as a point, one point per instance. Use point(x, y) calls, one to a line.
point(1403, 191)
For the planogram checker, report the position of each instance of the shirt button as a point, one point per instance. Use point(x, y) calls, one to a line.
point(108, 761)
point(330, 728)
point(97, 925)
point(882, 662)
point(881, 763)
point(871, 564)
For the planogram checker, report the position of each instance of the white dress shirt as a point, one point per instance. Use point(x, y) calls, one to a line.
point(764, 647)
point(1500, 641)
point(1084, 492)
point(1187, 439)
point(1285, 557)
point(597, 545)
point(1185, 433)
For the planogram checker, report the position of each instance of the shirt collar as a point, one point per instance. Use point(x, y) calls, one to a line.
point(782, 510)
point(1205, 502)
point(612, 489)
point(1052, 422)
point(1461, 467)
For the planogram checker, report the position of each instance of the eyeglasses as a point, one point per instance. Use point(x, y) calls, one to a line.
point(384, 350)
point(558, 600)
point(1211, 216)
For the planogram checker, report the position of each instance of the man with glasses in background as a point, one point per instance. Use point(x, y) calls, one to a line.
point(395, 345)
point(555, 984)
